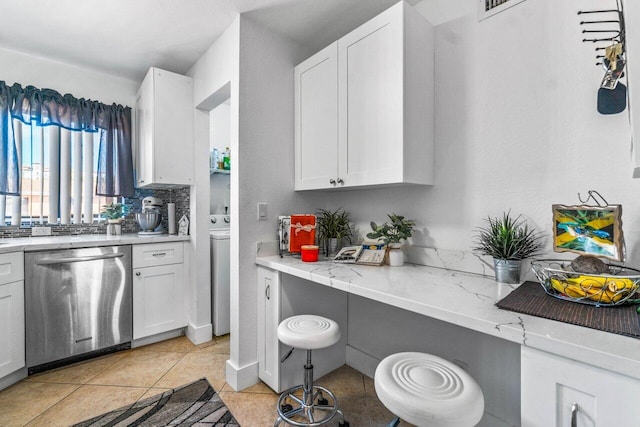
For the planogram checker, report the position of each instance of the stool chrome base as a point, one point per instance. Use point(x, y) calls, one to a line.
point(313, 399)
point(308, 411)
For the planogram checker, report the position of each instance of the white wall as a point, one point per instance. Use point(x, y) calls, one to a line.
point(214, 74)
point(516, 128)
point(264, 166)
point(80, 82)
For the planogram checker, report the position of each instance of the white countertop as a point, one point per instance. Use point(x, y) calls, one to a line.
point(467, 300)
point(29, 244)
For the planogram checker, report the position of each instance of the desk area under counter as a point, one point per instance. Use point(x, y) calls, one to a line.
point(531, 369)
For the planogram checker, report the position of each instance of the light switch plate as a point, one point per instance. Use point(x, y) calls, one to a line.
point(262, 211)
point(40, 231)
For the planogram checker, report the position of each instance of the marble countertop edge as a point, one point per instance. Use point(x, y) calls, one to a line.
point(468, 300)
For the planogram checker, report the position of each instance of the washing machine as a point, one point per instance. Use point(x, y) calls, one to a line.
point(219, 233)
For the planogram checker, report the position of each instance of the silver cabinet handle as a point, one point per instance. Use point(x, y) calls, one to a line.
point(49, 261)
point(340, 181)
point(332, 181)
point(158, 254)
point(138, 274)
point(574, 415)
point(267, 291)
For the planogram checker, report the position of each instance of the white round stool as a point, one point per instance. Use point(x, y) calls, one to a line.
point(427, 390)
point(311, 333)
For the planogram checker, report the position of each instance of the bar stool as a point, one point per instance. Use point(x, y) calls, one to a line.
point(427, 390)
point(311, 333)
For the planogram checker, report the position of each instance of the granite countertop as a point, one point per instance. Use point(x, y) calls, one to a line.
point(467, 300)
point(29, 244)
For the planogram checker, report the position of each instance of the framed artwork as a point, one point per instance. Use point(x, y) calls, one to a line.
point(589, 230)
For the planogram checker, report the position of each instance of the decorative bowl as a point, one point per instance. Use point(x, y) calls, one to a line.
point(559, 280)
point(148, 221)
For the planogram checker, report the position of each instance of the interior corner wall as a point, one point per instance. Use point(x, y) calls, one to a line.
point(516, 128)
point(263, 159)
point(215, 69)
point(81, 82)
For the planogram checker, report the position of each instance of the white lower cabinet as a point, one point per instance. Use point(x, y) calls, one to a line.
point(268, 320)
point(158, 289)
point(12, 356)
point(567, 393)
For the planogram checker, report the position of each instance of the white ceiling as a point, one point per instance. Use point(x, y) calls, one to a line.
point(126, 37)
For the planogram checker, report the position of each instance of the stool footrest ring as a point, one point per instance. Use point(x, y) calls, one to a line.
point(307, 411)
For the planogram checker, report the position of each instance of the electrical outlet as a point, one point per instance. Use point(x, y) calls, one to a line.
point(40, 231)
point(262, 211)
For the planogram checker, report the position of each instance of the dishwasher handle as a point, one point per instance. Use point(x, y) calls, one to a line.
point(50, 261)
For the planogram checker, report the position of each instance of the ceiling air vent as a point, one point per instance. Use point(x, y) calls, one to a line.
point(487, 8)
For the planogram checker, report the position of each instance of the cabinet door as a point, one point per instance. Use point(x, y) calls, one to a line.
point(158, 300)
point(268, 320)
point(12, 355)
point(370, 76)
point(164, 130)
point(144, 133)
point(555, 389)
point(316, 124)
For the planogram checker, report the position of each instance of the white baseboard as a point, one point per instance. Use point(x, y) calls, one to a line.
point(157, 338)
point(199, 334)
point(243, 377)
point(361, 361)
point(13, 378)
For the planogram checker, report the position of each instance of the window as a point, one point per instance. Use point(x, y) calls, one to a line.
point(487, 8)
point(56, 152)
point(59, 173)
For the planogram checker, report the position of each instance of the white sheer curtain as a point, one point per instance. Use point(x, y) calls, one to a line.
point(58, 168)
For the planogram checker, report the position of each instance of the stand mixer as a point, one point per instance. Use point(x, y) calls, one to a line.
point(150, 218)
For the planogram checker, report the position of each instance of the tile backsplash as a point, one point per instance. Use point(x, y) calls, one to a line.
point(179, 196)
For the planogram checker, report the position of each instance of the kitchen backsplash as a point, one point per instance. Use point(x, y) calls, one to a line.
point(179, 196)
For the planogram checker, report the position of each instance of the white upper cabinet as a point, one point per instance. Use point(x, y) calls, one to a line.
point(316, 124)
point(164, 130)
point(364, 106)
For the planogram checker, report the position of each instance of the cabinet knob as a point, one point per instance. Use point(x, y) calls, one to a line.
point(340, 181)
point(267, 292)
point(332, 181)
point(574, 415)
point(138, 274)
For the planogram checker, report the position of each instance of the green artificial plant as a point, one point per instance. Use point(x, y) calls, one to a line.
point(114, 211)
point(396, 231)
point(508, 238)
point(333, 225)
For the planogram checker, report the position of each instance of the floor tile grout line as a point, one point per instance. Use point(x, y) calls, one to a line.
point(54, 405)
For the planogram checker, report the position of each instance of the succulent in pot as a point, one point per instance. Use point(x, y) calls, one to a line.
point(393, 233)
point(508, 240)
point(114, 211)
point(333, 227)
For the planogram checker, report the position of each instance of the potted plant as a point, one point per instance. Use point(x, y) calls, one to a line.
point(508, 240)
point(332, 228)
point(113, 213)
point(393, 234)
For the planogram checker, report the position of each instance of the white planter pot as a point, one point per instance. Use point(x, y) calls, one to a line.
point(114, 228)
point(396, 255)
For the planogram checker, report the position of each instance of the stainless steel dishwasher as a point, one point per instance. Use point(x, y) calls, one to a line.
point(78, 303)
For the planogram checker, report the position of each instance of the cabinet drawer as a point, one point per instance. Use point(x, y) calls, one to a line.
point(157, 254)
point(11, 267)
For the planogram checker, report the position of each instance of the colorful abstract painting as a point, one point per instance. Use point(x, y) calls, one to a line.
point(589, 230)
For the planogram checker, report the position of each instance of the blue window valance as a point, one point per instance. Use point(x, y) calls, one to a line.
point(46, 107)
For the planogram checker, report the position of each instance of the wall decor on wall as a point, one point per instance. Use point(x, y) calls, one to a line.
point(589, 230)
point(487, 8)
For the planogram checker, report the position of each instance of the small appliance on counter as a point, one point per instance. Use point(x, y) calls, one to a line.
point(150, 219)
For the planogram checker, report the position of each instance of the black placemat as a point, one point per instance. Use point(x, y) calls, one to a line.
point(530, 298)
